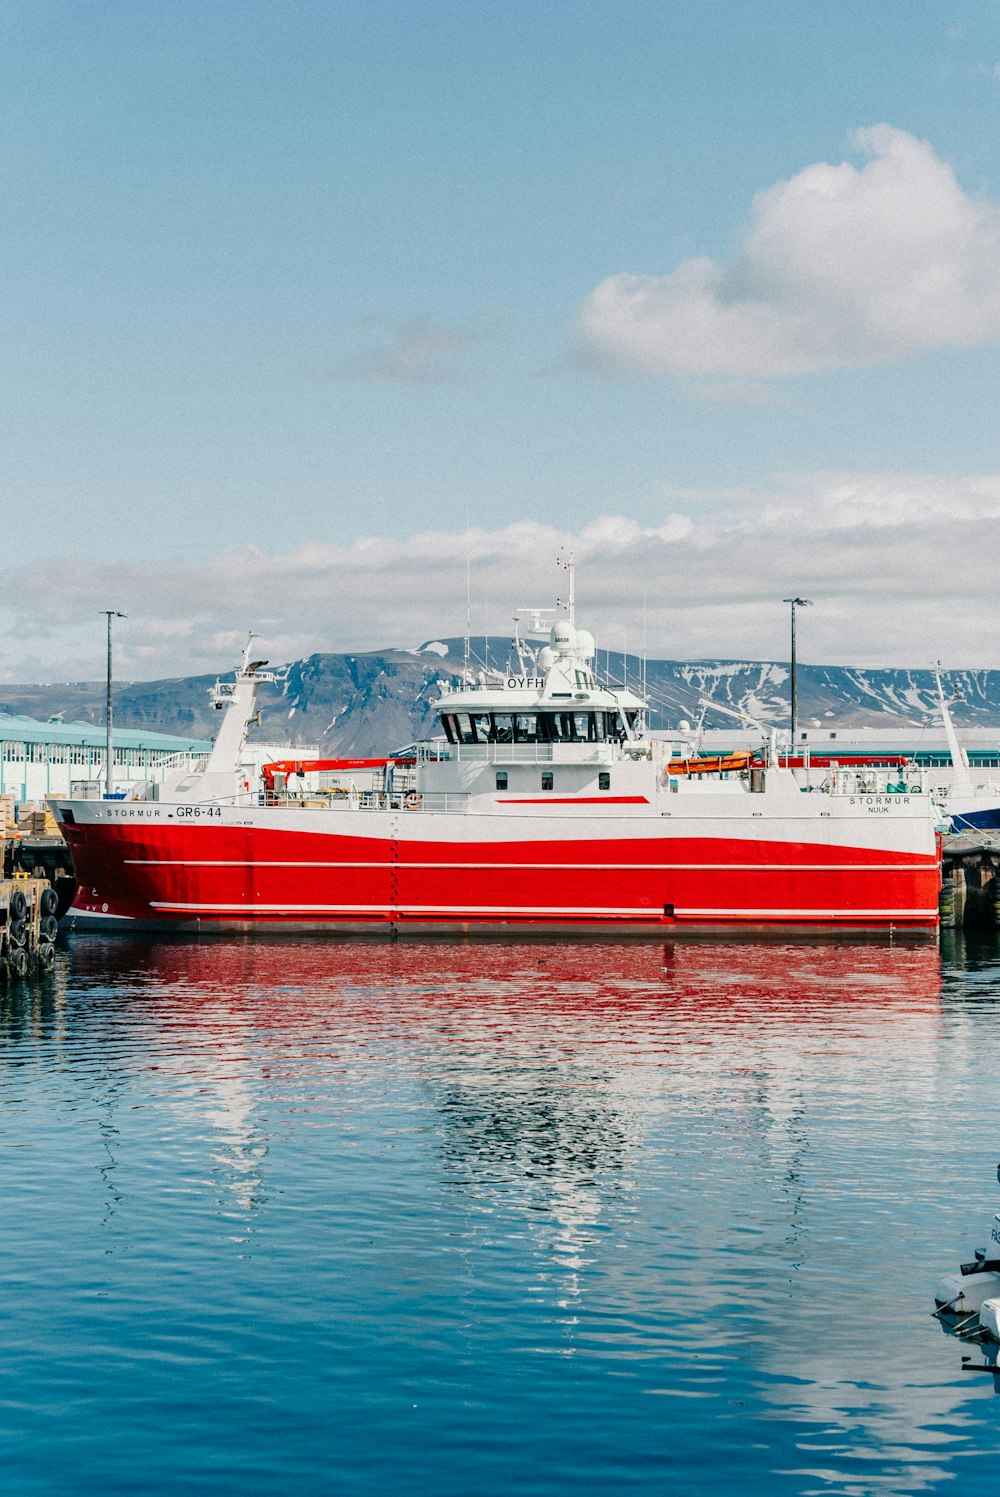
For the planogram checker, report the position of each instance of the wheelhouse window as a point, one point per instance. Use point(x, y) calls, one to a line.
point(491, 727)
point(563, 726)
point(580, 727)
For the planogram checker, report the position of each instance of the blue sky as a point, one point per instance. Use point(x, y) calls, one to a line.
point(305, 303)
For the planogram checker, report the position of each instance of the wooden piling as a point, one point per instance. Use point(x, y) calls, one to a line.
point(970, 884)
point(946, 903)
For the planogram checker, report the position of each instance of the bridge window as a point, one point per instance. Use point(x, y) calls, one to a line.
point(472, 727)
point(578, 728)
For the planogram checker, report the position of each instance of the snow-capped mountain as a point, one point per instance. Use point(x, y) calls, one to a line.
point(368, 702)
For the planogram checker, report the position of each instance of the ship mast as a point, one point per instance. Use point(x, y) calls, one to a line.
point(569, 566)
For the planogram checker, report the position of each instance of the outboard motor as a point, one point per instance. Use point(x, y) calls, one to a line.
point(965, 1294)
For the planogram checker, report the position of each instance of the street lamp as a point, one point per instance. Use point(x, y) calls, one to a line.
point(112, 613)
point(796, 603)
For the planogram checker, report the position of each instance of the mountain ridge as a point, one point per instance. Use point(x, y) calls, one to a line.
point(373, 701)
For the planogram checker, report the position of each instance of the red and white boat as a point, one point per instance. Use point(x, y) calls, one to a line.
point(550, 807)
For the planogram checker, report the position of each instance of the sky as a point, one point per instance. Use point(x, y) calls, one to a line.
point(343, 319)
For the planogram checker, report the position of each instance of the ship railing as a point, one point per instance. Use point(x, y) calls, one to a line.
point(536, 753)
point(876, 780)
point(407, 801)
point(179, 760)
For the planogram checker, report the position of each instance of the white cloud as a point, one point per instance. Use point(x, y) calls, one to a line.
point(839, 265)
point(900, 567)
point(417, 351)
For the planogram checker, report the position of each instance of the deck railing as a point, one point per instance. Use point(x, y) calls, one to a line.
point(536, 753)
point(409, 802)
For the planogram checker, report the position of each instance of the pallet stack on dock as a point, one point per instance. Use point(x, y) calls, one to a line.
point(36, 820)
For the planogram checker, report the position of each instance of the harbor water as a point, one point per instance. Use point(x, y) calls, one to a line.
point(549, 1219)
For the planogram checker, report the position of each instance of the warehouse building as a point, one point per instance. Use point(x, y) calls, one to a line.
point(56, 758)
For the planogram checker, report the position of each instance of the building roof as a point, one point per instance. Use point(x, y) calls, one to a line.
point(17, 729)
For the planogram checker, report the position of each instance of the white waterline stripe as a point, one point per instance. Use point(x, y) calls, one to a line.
point(499, 909)
point(830, 914)
point(399, 909)
point(471, 867)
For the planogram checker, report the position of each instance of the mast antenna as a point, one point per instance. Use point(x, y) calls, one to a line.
point(643, 672)
point(569, 567)
point(468, 617)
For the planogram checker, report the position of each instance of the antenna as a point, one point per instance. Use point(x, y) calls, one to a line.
point(642, 675)
point(569, 567)
point(468, 616)
point(251, 636)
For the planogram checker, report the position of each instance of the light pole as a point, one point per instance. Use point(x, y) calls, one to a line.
point(112, 613)
point(796, 603)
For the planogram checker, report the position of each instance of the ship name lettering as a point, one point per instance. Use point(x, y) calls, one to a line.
point(525, 683)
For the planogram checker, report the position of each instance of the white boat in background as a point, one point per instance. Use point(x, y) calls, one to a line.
point(968, 805)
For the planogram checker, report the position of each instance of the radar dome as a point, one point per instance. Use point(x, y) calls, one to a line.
point(586, 644)
point(546, 658)
point(563, 637)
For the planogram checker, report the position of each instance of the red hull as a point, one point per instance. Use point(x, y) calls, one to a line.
point(200, 875)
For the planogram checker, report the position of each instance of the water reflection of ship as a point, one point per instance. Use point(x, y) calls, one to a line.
point(543, 1063)
point(542, 1084)
point(83, 1010)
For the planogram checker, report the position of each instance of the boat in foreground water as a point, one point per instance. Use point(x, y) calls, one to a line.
point(547, 806)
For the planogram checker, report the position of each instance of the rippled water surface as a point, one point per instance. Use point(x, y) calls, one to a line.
point(303, 1217)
